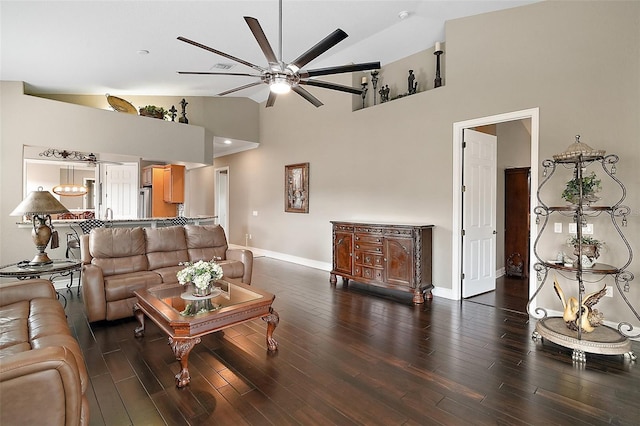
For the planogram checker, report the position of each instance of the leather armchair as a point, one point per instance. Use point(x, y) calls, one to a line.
point(43, 377)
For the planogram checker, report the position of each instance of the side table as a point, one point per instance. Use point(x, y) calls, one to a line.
point(58, 268)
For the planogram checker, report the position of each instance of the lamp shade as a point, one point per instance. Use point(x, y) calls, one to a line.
point(39, 202)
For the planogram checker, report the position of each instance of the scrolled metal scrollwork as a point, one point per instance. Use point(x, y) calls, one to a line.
point(541, 275)
point(626, 330)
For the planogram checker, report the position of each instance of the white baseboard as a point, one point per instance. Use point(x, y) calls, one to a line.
point(445, 293)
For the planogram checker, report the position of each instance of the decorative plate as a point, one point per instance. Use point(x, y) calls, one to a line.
point(120, 105)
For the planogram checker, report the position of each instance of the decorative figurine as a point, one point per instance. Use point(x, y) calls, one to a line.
point(384, 93)
point(184, 119)
point(438, 51)
point(173, 112)
point(374, 83)
point(410, 83)
point(364, 90)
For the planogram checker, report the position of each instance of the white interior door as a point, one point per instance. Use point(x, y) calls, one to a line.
point(120, 190)
point(222, 198)
point(479, 213)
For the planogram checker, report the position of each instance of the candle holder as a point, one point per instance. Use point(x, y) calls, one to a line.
point(364, 93)
point(374, 83)
point(184, 118)
point(173, 113)
point(438, 81)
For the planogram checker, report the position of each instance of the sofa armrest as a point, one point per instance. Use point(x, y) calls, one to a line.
point(244, 256)
point(85, 254)
point(95, 300)
point(15, 291)
point(41, 385)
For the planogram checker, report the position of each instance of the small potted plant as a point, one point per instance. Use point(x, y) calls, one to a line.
point(590, 188)
point(153, 111)
point(588, 246)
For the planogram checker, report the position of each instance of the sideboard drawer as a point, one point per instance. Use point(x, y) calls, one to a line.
point(373, 274)
point(369, 259)
point(368, 247)
point(369, 239)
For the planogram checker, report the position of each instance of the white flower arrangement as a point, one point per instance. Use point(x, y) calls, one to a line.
point(199, 273)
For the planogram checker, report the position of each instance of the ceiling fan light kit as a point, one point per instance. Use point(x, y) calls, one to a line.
point(283, 77)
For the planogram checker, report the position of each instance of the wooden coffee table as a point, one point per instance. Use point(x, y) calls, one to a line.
point(172, 308)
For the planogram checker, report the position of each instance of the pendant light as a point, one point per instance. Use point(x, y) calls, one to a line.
point(70, 189)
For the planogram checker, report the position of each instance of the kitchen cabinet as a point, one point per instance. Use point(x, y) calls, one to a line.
point(173, 183)
point(153, 176)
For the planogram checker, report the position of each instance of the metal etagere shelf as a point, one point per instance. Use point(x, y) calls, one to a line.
point(578, 334)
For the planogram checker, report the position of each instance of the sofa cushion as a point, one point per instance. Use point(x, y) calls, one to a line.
point(166, 247)
point(38, 323)
point(232, 268)
point(122, 286)
point(168, 274)
point(118, 250)
point(206, 242)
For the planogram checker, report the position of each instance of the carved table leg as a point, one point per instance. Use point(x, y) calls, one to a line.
point(137, 312)
point(418, 297)
point(272, 321)
point(181, 349)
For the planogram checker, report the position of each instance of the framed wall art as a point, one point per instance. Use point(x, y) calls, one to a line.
point(296, 188)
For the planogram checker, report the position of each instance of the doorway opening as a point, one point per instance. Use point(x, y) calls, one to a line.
point(221, 210)
point(527, 285)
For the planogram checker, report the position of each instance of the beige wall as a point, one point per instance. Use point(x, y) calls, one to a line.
point(578, 62)
point(75, 122)
point(393, 162)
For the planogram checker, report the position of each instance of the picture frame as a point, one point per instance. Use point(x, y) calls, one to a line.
point(296, 188)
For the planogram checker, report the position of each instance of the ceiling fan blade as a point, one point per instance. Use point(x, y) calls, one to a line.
point(258, 33)
point(332, 86)
point(272, 99)
point(322, 46)
point(308, 96)
point(219, 73)
point(340, 69)
point(217, 52)
point(246, 86)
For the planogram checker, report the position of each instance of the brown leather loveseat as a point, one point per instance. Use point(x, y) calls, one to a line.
point(43, 377)
point(118, 261)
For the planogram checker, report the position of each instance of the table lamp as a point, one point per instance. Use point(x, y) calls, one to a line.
point(40, 205)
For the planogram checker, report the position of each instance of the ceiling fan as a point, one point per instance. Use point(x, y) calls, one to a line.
point(282, 77)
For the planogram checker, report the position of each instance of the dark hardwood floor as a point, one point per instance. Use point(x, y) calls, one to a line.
point(348, 357)
point(511, 294)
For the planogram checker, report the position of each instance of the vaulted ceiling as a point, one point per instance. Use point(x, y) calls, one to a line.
point(98, 47)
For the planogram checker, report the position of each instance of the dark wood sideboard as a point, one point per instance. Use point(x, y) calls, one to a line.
point(394, 256)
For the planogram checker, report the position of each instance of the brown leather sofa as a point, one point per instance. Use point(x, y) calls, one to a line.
point(43, 377)
point(118, 261)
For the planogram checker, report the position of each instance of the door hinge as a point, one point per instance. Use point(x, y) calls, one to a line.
point(463, 233)
point(464, 188)
point(464, 144)
point(463, 275)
